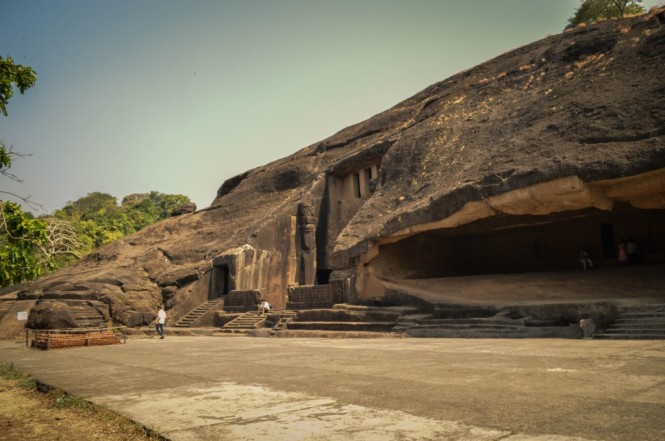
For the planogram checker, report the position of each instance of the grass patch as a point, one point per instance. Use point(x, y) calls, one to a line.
point(51, 406)
point(20, 379)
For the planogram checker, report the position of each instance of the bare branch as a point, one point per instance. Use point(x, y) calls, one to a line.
point(26, 200)
point(6, 161)
point(62, 239)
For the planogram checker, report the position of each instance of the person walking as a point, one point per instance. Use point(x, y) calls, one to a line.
point(161, 320)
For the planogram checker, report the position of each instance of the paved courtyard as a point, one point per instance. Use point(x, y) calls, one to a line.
point(243, 388)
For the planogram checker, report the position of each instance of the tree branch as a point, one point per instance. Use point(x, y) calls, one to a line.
point(26, 200)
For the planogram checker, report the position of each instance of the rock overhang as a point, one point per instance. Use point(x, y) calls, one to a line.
point(586, 108)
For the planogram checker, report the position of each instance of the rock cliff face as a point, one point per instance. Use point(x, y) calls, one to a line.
point(568, 131)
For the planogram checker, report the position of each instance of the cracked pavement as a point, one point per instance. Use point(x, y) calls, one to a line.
point(244, 388)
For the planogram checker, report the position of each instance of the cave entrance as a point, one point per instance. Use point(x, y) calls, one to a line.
point(518, 244)
point(220, 282)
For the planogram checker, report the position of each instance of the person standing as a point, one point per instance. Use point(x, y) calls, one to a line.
point(633, 251)
point(161, 320)
point(585, 259)
point(623, 253)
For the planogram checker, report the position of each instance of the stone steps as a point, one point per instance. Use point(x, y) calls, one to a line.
point(643, 322)
point(87, 316)
point(283, 322)
point(629, 336)
point(640, 325)
point(341, 326)
point(309, 305)
point(5, 306)
point(460, 321)
point(469, 321)
point(461, 326)
point(461, 332)
point(195, 314)
point(636, 330)
point(463, 321)
point(247, 321)
point(463, 311)
point(640, 316)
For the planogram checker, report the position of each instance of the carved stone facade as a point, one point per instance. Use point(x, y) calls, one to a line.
point(242, 301)
point(241, 268)
point(317, 296)
point(306, 244)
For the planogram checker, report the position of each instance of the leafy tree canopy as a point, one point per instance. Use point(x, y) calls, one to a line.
point(592, 10)
point(20, 238)
point(21, 235)
point(101, 220)
point(31, 247)
point(13, 75)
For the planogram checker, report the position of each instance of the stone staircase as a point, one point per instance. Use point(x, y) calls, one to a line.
point(87, 316)
point(196, 314)
point(344, 318)
point(285, 318)
point(644, 322)
point(469, 328)
point(245, 322)
point(5, 306)
point(463, 311)
point(478, 321)
point(342, 326)
point(464, 321)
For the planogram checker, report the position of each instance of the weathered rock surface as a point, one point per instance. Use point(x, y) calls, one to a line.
point(184, 209)
point(564, 123)
point(51, 315)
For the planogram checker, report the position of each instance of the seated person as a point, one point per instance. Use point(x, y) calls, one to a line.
point(264, 307)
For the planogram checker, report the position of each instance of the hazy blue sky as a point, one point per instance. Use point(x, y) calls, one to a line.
point(177, 96)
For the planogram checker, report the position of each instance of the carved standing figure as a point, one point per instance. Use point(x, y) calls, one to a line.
point(307, 245)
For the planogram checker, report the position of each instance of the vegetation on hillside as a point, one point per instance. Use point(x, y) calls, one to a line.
point(594, 10)
point(31, 247)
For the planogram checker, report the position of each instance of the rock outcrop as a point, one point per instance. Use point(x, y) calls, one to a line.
point(570, 127)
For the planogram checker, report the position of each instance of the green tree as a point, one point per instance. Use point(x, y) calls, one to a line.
point(147, 208)
point(21, 235)
point(98, 218)
point(592, 10)
point(12, 76)
point(20, 241)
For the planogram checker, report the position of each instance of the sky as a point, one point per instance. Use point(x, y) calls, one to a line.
point(177, 96)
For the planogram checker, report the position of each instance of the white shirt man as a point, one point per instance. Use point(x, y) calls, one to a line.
point(264, 307)
point(161, 316)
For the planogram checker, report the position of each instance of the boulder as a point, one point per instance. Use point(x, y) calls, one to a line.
point(51, 315)
point(178, 277)
point(187, 208)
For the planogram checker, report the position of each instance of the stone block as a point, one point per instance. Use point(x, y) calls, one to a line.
point(241, 301)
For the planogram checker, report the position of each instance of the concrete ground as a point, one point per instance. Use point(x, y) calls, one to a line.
point(243, 388)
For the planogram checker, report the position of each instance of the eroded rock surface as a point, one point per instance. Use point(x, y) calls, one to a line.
point(574, 121)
